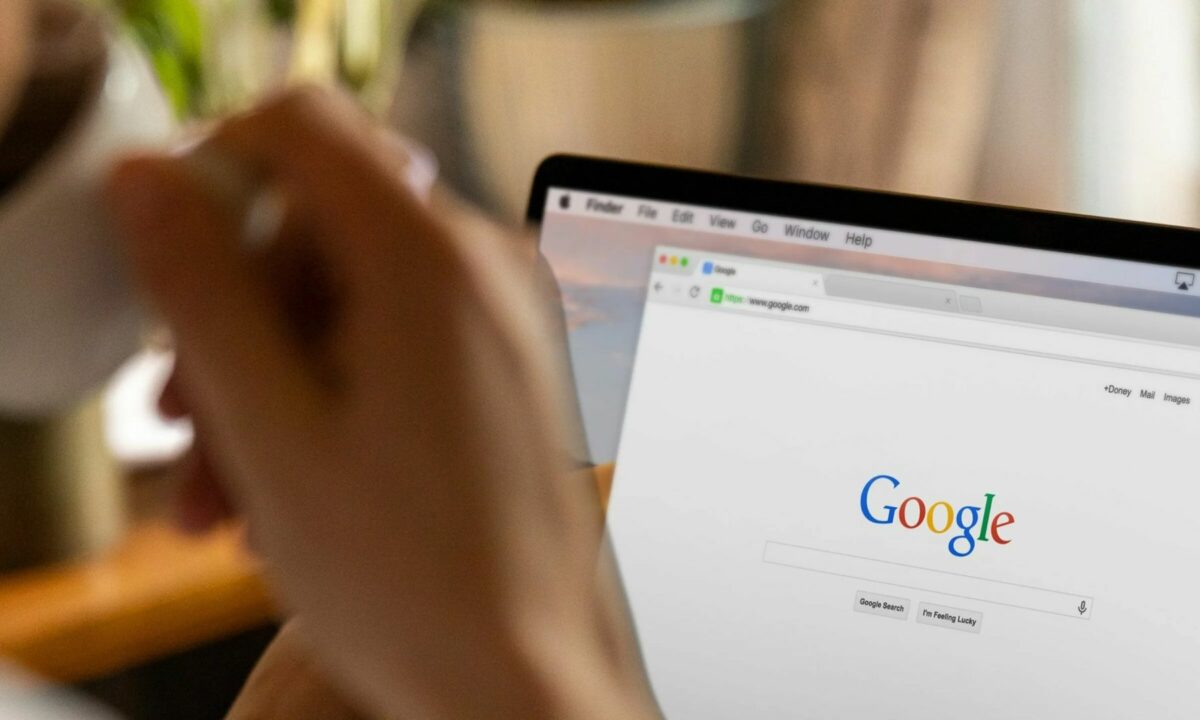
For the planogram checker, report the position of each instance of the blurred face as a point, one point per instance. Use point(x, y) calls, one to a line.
point(14, 40)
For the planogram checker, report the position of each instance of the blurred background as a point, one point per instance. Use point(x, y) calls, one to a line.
point(1087, 106)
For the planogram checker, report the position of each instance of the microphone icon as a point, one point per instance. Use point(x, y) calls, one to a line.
point(1083, 608)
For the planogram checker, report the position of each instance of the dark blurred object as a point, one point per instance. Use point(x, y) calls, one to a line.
point(61, 496)
point(495, 87)
point(68, 62)
point(282, 11)
point(199, 684)
point(59, 492)
point(889, 95)
point(957, 98)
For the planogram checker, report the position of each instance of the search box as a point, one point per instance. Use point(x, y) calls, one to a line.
point(940, 582)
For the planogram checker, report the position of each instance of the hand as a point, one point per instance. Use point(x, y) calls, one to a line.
point(287, 686)
point(378, 396)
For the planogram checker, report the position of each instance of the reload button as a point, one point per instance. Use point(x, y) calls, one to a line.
point(882, 605)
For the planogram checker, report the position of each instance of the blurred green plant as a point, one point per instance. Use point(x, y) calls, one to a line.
point(172, 33)
point(212, 56)
point(282, 11)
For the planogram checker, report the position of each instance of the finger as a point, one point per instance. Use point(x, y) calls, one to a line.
point(327, 159)
point(202, 502)
point(242, 371)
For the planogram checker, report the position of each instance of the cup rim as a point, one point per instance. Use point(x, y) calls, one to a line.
point(75, 137)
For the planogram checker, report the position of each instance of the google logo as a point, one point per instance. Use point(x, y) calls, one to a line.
point(938, 517)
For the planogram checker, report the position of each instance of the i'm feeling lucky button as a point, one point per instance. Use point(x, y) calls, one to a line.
point(948, 617)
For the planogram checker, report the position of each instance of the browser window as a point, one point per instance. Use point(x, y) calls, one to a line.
point(866, 474)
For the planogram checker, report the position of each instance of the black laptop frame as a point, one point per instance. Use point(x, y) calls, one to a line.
point(1078, 234)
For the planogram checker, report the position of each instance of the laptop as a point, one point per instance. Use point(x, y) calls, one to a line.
point(887, 456)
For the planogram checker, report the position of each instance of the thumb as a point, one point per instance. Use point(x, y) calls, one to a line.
point(240, 367)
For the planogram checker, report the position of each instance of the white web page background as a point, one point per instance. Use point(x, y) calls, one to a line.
point(602, 264)
point(744, 429)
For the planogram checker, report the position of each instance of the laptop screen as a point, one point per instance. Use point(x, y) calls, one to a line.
point(870, 473)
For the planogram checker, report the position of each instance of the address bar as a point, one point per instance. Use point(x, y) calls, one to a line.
point(965, 330)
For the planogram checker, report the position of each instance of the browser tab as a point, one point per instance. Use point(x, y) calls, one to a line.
point(716, 268)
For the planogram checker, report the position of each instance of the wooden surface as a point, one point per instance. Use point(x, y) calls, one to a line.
point(604, 481)
point(156, 594)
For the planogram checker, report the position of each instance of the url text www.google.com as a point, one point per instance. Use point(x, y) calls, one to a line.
point(721, 297)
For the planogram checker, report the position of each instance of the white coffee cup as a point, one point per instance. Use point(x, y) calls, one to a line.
point(68, 314)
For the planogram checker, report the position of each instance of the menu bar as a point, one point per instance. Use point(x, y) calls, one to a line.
point(850, 238)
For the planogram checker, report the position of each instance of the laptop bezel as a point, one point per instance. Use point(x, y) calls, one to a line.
point(1169, 245)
